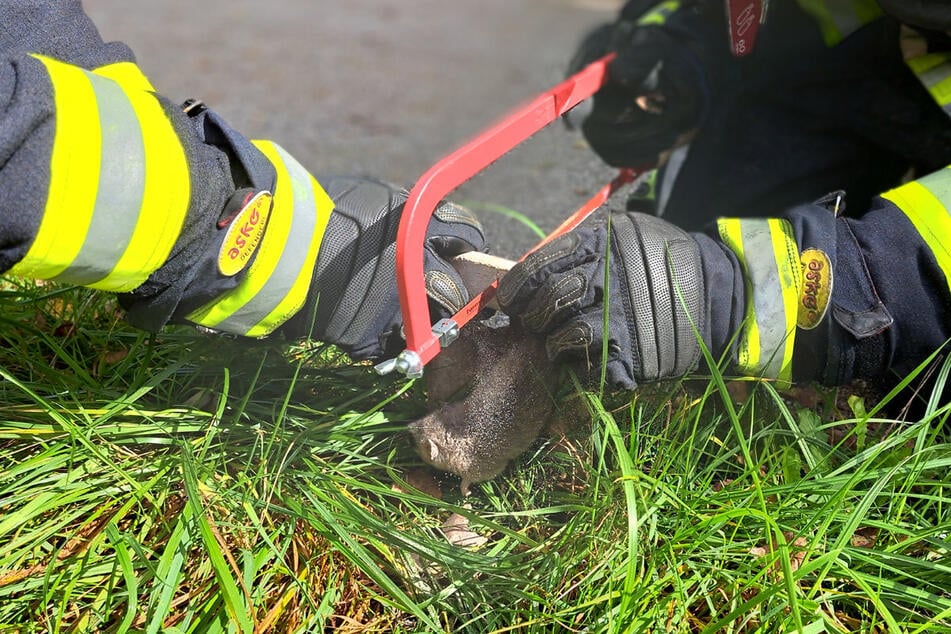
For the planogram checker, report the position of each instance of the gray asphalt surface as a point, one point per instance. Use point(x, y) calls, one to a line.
point(380, 87)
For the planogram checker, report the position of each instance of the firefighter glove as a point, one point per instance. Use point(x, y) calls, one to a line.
point(645, 311)
point(354, 294)
point(655, 91)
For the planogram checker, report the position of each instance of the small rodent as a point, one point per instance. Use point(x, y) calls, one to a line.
point(493, 391)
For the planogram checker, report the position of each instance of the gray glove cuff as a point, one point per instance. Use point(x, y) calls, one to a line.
point(662, 288)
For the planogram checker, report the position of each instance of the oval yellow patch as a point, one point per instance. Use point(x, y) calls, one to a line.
point(816, 288)
point(244, 234)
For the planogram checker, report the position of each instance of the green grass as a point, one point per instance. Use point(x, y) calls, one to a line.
point(184, 483)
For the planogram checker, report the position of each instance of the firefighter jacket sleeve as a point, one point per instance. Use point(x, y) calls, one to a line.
point(809, 295)
point(110, 185)
point(675, 74)
point(823, 101)
point(830, 298)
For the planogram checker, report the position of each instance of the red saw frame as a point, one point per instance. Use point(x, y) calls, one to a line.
point(424, 339)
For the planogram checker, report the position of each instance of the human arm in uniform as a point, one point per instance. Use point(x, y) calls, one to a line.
point(108, 184)
point(826, 97)
point(806, 295)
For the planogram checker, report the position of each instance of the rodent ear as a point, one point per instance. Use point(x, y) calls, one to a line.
point(433, 449)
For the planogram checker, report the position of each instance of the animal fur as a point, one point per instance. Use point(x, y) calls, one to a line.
point(492, 392)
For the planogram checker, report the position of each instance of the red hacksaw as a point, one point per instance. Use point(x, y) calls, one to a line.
point(423, 338)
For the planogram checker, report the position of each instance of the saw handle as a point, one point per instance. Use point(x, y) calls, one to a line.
point(422, 339)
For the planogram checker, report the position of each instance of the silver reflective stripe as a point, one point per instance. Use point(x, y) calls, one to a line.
point(934, 72)
point(770, 311)
point(934, 76)
point(293, 254)
point(763, 346)
point(120, 190)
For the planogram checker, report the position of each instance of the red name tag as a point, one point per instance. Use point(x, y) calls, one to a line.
point(744, 17)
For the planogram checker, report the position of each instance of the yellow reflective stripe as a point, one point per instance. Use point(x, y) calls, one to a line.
point(924, 63)
point(941, 91)
point(650, 180)
point(786, 253)
point(278, 281)
point(866, 11)
point(748, 348)
point(659, 13)
point(231, 305)
point(306, 188)
point(934, 71)
point(127, 74)
point(74, 175)
point(645, 186)
point(215, 313)
point(837, 19)
point(925, 203)
point(119, 185)
point(818, 10)
point(165, 200)
point(121, 180)
point(767, 251)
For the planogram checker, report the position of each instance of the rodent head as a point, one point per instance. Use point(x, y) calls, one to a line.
point(500, 383)
point(443, 443)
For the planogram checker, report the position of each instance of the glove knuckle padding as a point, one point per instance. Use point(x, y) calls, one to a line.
point(561, 297)
point(445, 288)
point(452, 213)
point(521, 283)
point(573, 339)
point(659, 269)
point(454, 229)
point(653, 294)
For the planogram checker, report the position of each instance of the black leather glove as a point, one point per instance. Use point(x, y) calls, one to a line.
point(354, 293)
point(653, 294)
point(656, 90)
